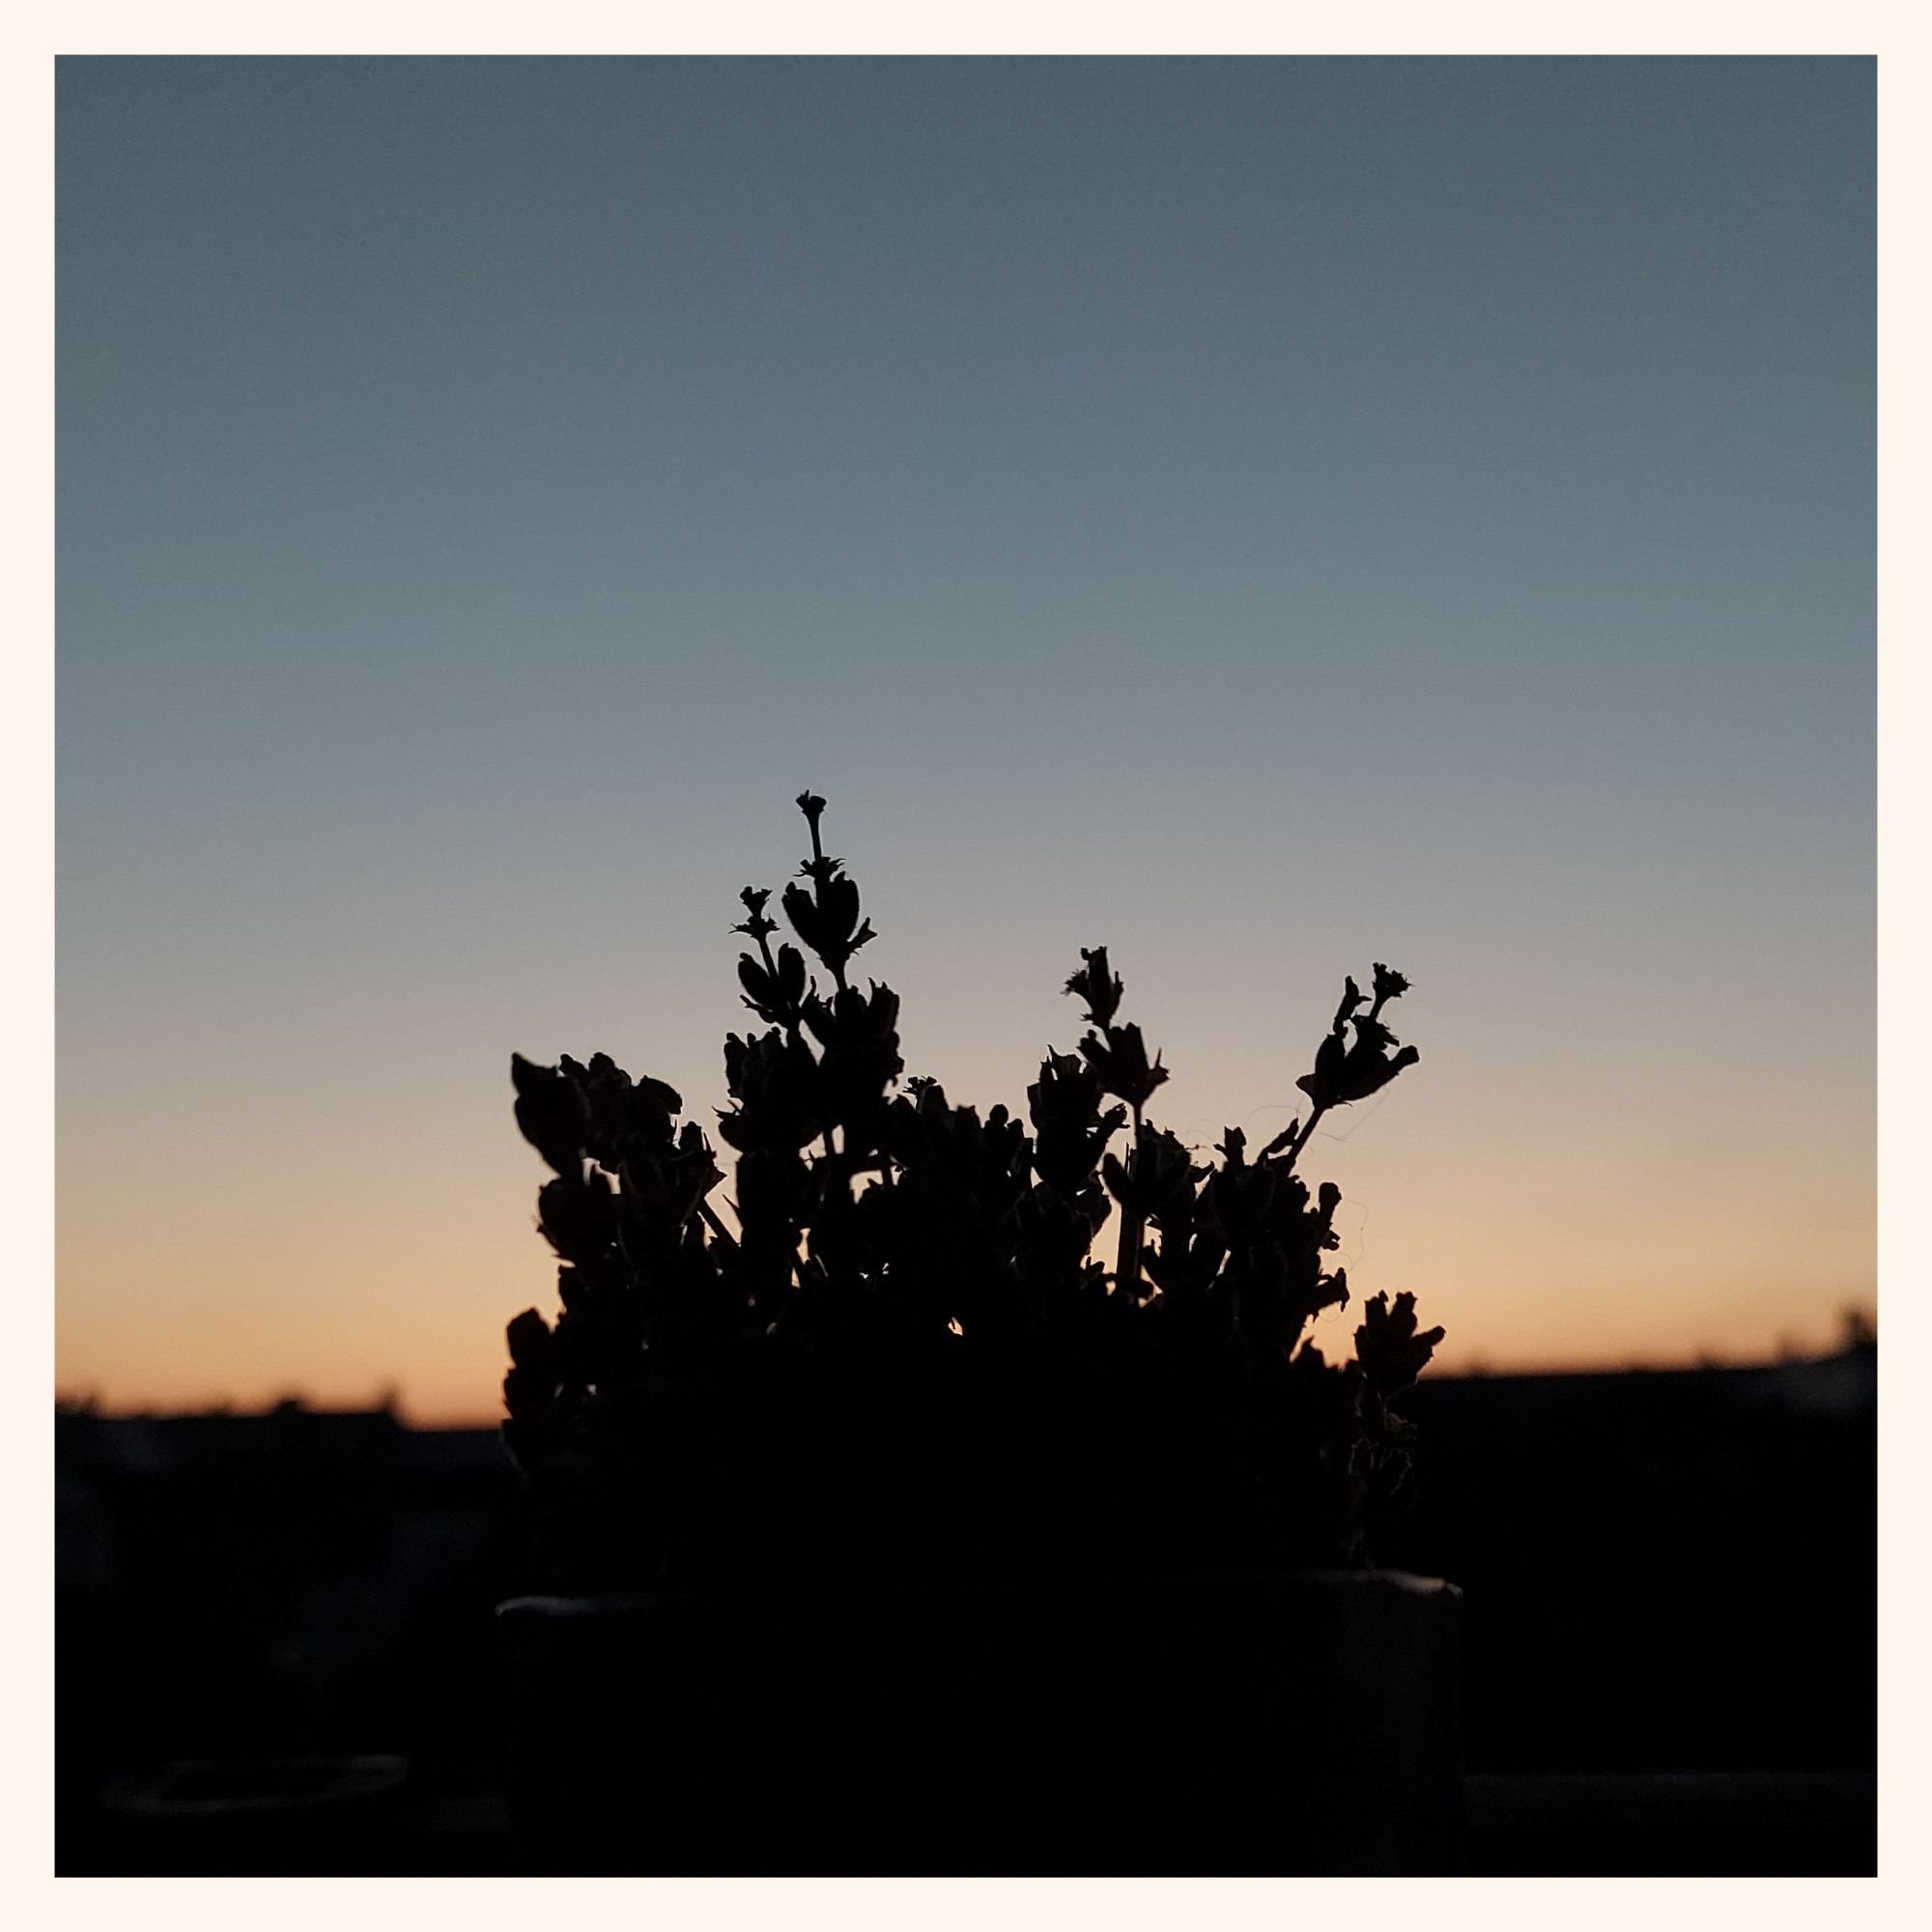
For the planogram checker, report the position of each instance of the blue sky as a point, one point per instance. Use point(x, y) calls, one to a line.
point(1266, 515)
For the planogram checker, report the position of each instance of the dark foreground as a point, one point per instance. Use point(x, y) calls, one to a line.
point(276, 1647)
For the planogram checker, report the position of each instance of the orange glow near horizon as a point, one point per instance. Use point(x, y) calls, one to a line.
point(1548, 1211)
point(227, 1310)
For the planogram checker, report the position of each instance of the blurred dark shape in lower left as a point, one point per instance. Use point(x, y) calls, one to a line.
point(275, 1817)
point(254, 1610)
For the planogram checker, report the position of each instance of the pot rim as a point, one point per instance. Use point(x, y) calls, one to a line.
point(621, 1602)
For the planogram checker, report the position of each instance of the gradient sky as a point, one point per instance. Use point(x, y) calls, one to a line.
point(1264, 515)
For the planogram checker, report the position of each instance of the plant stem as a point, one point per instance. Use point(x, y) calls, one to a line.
point(716, 1227)
point(1127, 1257)
point(1301, 1139)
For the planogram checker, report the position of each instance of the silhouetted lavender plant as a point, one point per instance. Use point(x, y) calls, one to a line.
point(906, 1353)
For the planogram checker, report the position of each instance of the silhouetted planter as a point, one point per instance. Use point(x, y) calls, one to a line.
point(1252, 1723)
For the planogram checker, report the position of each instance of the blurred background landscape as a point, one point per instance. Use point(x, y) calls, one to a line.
point(1671, 1617)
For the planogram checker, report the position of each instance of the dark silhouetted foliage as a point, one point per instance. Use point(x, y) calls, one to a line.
point(905, 1357)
